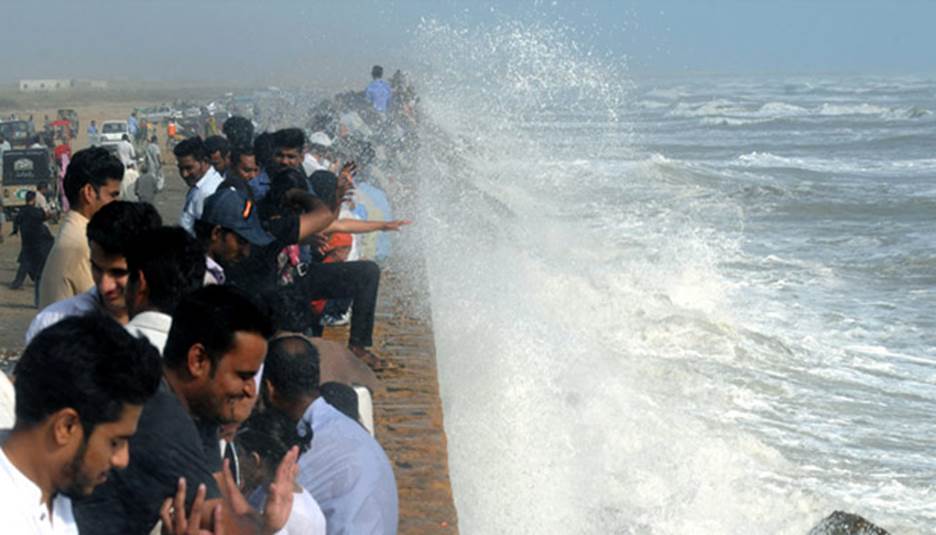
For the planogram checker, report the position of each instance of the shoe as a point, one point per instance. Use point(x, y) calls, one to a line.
point(335, 321)
point(373, 361)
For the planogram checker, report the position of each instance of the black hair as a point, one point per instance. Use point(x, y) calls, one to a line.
point(325, 184)
point(271, 434)
point(215, 144)
point(194, 147)
point(211, 316)
point(30, 196)
point(95, 166)
point(376, 72)
point(172, 262)
point(289, 138)
point(240, 150)
point(292, 367)
point(282, 180)
point(121, 223)
point(342, 397)
point(239, 130)
point(41, 186)
point(89, 363)
point(263, 149)
point(154, 139)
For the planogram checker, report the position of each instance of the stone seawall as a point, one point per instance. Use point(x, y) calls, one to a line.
point(408, 412)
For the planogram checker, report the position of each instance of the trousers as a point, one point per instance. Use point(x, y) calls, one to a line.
point(359, 281)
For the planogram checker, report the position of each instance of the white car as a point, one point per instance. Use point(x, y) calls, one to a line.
point(113, 131)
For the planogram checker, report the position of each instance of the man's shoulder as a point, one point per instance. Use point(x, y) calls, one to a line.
point(82, 303)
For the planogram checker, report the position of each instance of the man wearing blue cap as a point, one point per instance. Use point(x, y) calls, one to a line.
point(226, 229)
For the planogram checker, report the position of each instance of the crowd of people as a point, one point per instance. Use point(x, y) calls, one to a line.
point(175, 377)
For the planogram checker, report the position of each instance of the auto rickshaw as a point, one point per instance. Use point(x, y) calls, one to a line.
point(23, 171)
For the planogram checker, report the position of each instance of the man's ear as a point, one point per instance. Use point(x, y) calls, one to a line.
point(87, 194)
point(269, 392)
point(216, 233)
point(137, 291)
point(255, 457)
point(66, 427)
point(199, 363)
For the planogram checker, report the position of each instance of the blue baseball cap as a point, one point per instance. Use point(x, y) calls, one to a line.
point(231, 210)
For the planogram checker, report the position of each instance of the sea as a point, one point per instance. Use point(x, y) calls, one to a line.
point(676, 305)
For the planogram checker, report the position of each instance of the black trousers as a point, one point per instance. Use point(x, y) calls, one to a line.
point(358, 281)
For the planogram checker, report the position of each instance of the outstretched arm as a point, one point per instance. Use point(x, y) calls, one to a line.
point(356, 226)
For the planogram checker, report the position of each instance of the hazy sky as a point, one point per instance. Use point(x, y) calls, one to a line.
point(295, 40)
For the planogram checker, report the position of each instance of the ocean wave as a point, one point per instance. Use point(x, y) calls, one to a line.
point(652, 104)
point(821, 165)
point(724, 112)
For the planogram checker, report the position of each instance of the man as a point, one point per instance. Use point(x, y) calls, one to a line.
point(199, 175)
point(133, 126)
point(228, 227)
point(239, 131)
point(287, 147)
point(378, 91)
point(91, 182)
point(35, 242)
point(315, 159)
point(165, 264)
point(358, 280)
point(125, 151)
point(42, 199)
point(243, 168)
point(128, 185)
point(92, 133)
point(110, 234)
point(80, 387)
point(4, 146)
point(154, 163)
point(345, 470)
point(216, 346)
point(218, 150)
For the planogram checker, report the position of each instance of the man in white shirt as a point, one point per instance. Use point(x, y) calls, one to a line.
point(110, 233)
point(315, 160)
point(345, 470)
point(201, 177)
point(125, 151)
point(164, 264)
point(72, 426)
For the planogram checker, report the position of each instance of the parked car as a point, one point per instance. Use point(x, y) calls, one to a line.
point(113, 131)
point(18, 133)
point(157, 114)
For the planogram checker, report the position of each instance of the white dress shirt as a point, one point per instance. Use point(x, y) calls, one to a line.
point(306, 517)
point(152, 325)
point(195, 199)
point(21, 509)
point(78, 305)
point(348, 474)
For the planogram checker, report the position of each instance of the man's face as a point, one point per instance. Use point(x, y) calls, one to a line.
point(218, 161)
point(229, 395)
point(228, 247)
point(288, 157)
point(110, 275)
point(246, 167)
point(106, 449)
point(104, 195)
point(192, 170)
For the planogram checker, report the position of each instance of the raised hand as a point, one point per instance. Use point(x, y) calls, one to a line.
point(280, 497)
point(175, 521)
